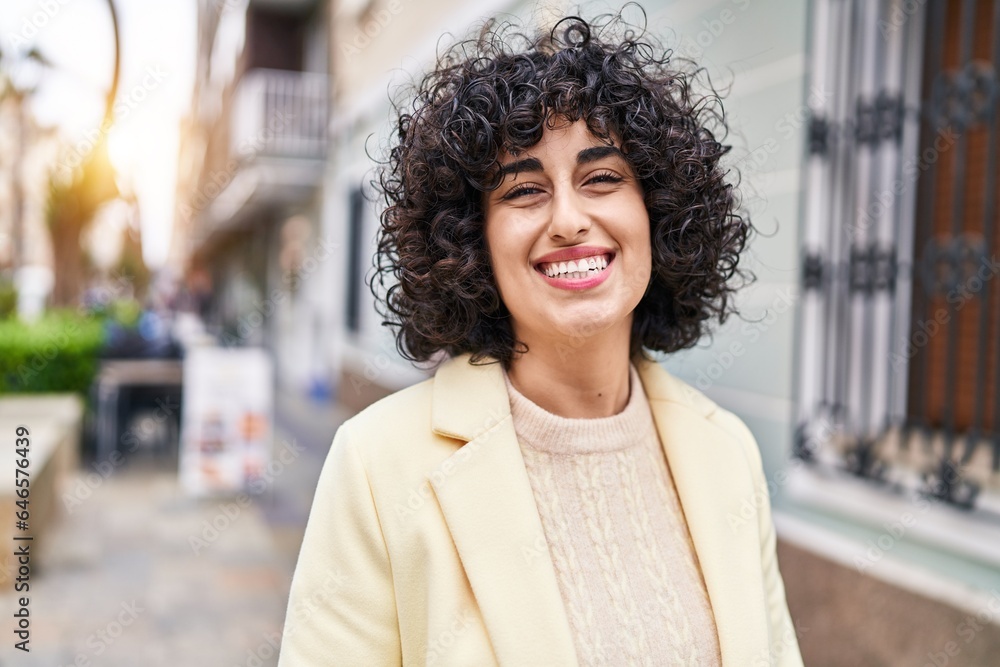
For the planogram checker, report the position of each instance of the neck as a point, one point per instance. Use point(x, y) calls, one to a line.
point(582, 378)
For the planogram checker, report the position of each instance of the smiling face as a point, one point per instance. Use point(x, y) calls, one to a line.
point(568, 234)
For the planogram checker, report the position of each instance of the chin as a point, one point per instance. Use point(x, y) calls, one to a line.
point(584, 325)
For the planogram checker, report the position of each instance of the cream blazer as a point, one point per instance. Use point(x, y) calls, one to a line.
point(424, 545)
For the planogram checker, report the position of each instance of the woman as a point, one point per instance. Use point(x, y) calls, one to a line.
point(552, 496)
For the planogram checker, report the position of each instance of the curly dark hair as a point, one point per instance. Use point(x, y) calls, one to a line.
point(497, 93)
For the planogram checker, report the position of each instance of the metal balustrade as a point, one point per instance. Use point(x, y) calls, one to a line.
point(281, 114)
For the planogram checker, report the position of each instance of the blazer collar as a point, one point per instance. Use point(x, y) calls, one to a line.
point(469, 398)
point(488, 505)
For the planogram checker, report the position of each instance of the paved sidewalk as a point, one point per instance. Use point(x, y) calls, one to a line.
point(124, 582)
point(119, 584)
point(846, 619)
point(311, 425)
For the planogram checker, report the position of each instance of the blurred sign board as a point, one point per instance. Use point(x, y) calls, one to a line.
point(227, 430)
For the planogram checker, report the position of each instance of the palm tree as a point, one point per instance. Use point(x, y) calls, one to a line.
point(71, 206)
point(18, 93)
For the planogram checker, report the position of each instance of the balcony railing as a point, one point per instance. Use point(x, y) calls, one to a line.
point(279, 114)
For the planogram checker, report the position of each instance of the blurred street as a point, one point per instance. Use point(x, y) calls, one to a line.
point(120, 583)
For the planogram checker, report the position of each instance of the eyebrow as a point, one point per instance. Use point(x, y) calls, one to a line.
point(597, 153)
point(583, 157)
point(527, 164)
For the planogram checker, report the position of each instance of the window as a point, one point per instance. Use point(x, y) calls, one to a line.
point(355, 226)
point(900, 355)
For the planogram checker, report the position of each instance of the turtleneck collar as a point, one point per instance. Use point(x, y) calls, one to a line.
point(539, 429)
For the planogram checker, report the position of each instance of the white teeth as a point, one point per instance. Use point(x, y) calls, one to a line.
point(576, 269)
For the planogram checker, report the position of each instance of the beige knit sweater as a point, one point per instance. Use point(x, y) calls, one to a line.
point(626, 566)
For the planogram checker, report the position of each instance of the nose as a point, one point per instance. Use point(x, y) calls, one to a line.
point(570, 218)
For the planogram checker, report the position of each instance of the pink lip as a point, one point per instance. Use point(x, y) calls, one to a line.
point(577, 283)
point(575, 252)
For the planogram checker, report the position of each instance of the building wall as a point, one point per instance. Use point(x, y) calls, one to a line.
point(394, 41)
point(223, 150)
point(747, 366)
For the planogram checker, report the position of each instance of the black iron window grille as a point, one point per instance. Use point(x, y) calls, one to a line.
point(899, 379)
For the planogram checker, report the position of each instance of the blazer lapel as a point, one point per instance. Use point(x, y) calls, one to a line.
point(487, 502)
point(713, 484)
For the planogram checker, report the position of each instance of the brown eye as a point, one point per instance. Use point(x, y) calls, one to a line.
point(521, 190)
point(605, 177)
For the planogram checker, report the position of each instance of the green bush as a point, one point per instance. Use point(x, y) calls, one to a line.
point(8, 299)
point(57, 353)
point(125, 312)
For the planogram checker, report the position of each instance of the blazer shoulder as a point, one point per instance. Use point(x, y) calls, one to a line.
point(670, 387)
point(394, 437)
point(732, 424)
point(738, 429)
point(398, 410)
point(662, 385)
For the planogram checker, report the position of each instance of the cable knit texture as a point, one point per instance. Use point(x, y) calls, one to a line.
point(624, 559)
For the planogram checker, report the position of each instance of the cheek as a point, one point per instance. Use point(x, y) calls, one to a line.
point(494, 246)
point(648, 250)
point(640, 236)
point(644, 254)
point(502, 250)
